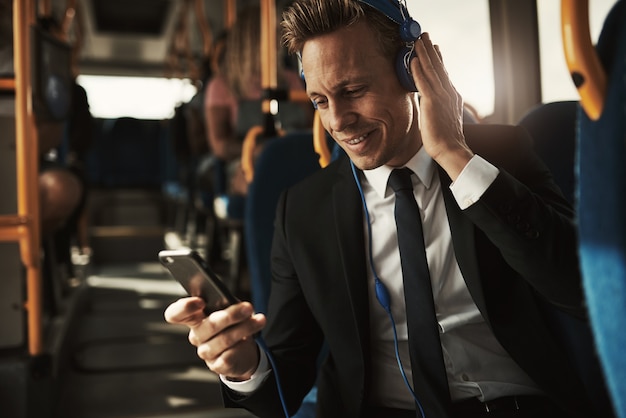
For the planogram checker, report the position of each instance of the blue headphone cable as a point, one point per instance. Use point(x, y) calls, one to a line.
point(383, 298)
point(261, 342)
point(381, 291)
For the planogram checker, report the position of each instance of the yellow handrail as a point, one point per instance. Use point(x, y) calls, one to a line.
point(7, 84)
point(248, 152)
point(269, 71)
point(319, 141)
point(27, 229)
point(230, 13)
point(582, 60)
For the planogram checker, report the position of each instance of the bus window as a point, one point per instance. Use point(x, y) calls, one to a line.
point(465, 44)
point(556, 84)
point(139, 97)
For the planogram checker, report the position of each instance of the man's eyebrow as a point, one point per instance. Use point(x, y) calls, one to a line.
point(341, 85)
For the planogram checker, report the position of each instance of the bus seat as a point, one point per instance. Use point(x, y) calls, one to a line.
point(553, 129)
point(470, 114)
point(229, 212)
point(283, 162)
point(290, 116)
point(126, 153)
point(601, 206)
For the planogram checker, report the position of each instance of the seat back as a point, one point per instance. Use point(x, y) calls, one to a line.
point(602, 206)
point(283, 162)
point(553, 129)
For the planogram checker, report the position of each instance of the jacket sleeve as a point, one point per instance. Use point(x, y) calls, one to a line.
point(525, 215)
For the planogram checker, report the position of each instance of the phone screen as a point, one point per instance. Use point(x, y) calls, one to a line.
point(194, 274)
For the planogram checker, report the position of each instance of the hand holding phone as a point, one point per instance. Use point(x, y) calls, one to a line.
point(198, 279)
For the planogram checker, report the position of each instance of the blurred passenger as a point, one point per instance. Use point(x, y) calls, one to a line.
point(61, 139)
point(208, 163)
point(60, 189)
point(63, 146)
point(233, 96)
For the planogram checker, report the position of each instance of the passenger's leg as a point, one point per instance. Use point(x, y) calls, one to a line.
point(60, 194)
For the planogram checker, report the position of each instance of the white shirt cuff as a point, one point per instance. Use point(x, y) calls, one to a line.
point(475, 178)
point(248, 386)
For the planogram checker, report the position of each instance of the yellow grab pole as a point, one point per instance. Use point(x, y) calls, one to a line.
point(230, 13)
point(27, 150)
point(269, 77)
point(582, 60)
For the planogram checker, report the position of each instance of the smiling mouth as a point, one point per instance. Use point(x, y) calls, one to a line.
point(357, 140)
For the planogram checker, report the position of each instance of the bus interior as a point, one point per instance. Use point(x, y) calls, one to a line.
point(82, 332)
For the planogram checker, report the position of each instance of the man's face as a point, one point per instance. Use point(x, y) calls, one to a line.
point(359, 98)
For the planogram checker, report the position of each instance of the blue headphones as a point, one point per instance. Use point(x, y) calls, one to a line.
point(410, 30)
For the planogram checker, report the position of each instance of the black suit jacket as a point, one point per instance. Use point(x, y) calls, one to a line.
point(516, 248)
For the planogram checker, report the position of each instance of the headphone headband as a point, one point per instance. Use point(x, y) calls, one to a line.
point(397, 12)
point(390, 8)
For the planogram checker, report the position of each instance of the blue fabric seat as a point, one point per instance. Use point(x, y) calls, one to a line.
point(601, 208)
point(283, 162)
point(553, 129)
point(128, 152)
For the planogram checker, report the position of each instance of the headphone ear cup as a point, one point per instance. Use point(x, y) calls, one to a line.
point(402, 68)
point(410, 30)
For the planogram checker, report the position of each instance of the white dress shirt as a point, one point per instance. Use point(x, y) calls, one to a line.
point(476, 364)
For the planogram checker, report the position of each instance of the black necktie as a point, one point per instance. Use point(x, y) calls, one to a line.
point(429, 374)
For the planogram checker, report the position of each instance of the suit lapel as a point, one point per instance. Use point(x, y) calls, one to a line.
point(348, 218)
point(464, 242)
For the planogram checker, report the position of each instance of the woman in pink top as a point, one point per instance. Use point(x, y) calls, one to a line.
point(233, 96)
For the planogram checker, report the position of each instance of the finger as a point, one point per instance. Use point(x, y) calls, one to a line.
point(439, 53)
point(231, 337)
point(238, 362)
point(220, 320)
point(435, 80)
point(438, 65)
point(424, 73)
point(432, 61)
point(186, 311)
point(433, 51)
point(444, 76)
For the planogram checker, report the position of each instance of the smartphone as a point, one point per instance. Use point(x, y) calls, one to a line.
point(194, 274)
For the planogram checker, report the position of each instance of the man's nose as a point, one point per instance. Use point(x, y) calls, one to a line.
point(340, 117)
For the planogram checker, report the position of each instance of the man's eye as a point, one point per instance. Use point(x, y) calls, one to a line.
point(317, 103)
point(354, 92)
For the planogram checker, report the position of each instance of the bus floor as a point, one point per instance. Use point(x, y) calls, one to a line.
point(123, 360)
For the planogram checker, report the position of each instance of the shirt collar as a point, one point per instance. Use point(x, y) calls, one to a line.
point(421, 164)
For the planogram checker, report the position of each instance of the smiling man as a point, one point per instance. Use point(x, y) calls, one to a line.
point(498, 243)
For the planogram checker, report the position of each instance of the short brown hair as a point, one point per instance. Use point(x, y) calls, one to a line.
point(306, 19)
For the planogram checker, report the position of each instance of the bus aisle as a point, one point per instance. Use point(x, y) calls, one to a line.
point(123, 360)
